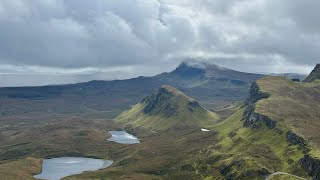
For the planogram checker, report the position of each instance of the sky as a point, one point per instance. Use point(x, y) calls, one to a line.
point(66, 41)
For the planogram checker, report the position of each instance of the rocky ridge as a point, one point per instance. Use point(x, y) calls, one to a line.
point(253, 119)
point(314, 75)
point(167, 108)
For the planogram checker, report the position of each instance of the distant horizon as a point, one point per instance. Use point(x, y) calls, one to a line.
point(67, 41)
point(69, 78)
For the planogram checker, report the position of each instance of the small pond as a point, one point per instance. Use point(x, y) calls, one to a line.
point(123, 137)
point(57, 168)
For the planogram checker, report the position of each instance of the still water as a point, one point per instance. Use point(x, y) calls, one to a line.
point(57, 168)
point(123, 137)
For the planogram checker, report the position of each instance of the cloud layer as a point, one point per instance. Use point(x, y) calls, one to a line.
point(152, 36)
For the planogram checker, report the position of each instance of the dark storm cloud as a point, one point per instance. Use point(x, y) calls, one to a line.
point(151, 36)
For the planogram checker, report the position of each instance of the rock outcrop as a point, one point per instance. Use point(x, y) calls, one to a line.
point(168, 108)
point(297, 140)
point(188, 70)
point(311, 165)
point(251, 118)
point(166, 102)
point(160, 103)
point(314, 75)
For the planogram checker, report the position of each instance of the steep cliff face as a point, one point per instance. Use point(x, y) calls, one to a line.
point(186, 70)
point(295, 139)
point(160, 103)
point(254, 119)
point(311, 165)
point(251, 118)
point(314, 75)
point(168, 108)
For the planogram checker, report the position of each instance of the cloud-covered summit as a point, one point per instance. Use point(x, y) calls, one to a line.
point(154, 35)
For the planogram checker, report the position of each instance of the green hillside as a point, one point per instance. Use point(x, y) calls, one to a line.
point(276, 131)
point(252, 153)
point(274, 134)
point(168, 108)
point(293, 106)
point(211, 85)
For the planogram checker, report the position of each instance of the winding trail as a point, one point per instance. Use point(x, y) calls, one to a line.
point(283, 173)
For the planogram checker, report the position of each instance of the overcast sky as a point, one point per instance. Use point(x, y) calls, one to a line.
point(61, 41)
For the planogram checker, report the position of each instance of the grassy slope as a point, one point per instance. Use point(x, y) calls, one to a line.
point(237, 152)
point(162, 155)
point(260, 148)
point(137, 118)
point(98, 99)
point(184, 114)
point(226, 111)
point(245, 152)
point(74, 137)
point(192, 154)
point(295, 106)
point(22, 169)
point(159, 155)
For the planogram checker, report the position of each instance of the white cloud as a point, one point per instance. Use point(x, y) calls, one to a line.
point(80, 34)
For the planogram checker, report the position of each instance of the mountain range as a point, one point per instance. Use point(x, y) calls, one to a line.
point(272, 133)
point(276, 129)
point(213, 86)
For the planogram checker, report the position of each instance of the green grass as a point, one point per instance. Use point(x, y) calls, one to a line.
point(294, 106)
point(239, 149)
point(172, 145)
point(74, 137)
point(21, 169)
point(170, 108)
point(252, 150)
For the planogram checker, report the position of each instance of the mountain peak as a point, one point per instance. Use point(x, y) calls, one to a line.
point(167, 108)
point(314, 75)
point(166, 89)
point(201, 65)
point(193, 68)
point(186, 69)
point(167, 100)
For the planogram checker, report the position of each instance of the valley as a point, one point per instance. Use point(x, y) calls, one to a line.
point(211, 85)
point(269, 125)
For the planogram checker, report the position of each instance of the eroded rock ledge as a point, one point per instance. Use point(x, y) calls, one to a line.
point(251, 118)
point(295, 139)
point(255, 120)
point(311, 165)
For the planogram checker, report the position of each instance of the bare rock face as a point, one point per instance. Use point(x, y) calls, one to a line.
point(166, 102)
point(160, 103)
point(187, 70)
point(251, 118)
point(297, 140)
point(311, 165)
point(168, 108)
point(314, 75)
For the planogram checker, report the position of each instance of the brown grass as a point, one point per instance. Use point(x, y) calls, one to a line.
point(22, 169)
point(293, 105)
